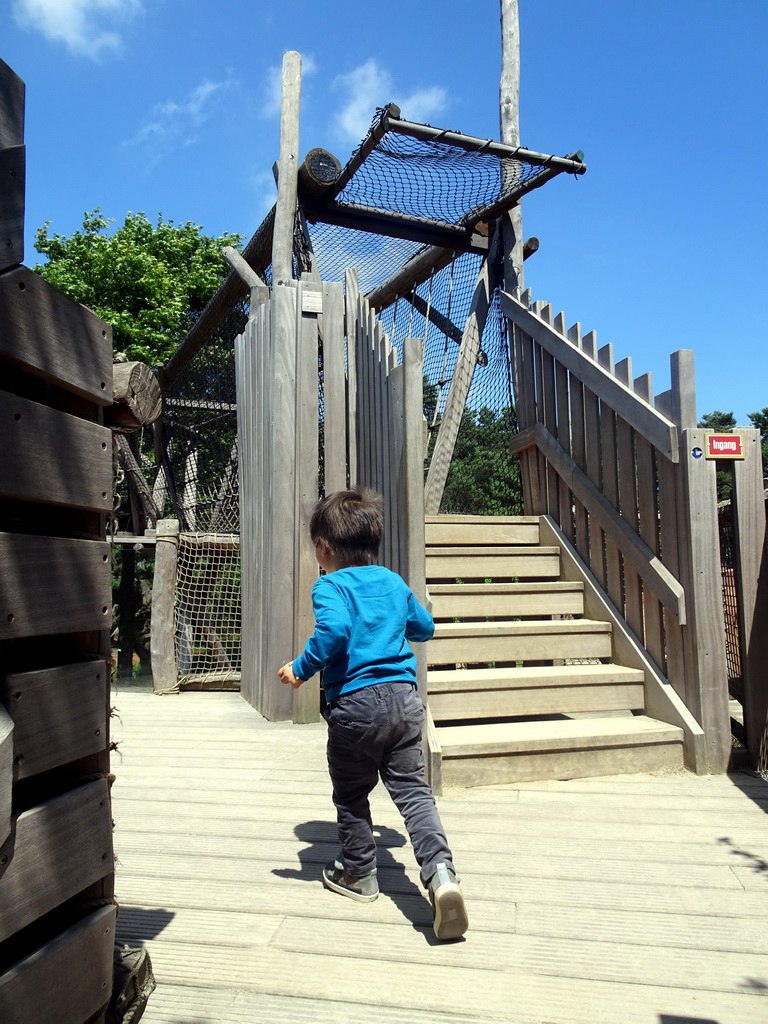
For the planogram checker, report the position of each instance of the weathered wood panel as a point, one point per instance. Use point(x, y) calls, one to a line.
point(12, 175)
point(705, 640)
point(67, 980)
point(53, 585)
point(331, 325)
point(306, 700)
point(53, 457)
point(165, 676)
point(54, 337)
point(6, 773)
point(752, 584)
point(60, 714)
point(59, 848)
point(11, 107)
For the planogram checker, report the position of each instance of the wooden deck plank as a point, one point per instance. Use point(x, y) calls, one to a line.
point(639, 899)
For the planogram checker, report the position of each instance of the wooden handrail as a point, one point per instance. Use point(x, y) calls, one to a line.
point(649, 567)
point(660, 431)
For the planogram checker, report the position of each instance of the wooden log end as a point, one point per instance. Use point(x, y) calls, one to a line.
point(318, 172)
point(136, 396)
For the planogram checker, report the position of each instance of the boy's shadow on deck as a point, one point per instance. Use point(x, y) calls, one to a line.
point(323, 846)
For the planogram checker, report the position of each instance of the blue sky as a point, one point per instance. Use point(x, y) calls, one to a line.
point(171, 106)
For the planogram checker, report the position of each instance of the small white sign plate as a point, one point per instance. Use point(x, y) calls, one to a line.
point(311, 302)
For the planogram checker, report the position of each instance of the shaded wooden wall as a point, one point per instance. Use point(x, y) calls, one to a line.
point(373, 433)
point(57, 911)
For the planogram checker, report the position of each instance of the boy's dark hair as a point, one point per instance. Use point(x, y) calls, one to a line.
point(351, 524)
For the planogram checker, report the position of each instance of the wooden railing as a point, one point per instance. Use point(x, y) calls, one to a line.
point(618, 472)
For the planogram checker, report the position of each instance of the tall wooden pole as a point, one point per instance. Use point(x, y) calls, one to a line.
point(509, 107)
point(285, 213)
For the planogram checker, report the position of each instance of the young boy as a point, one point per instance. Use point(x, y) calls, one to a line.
point(364, 616)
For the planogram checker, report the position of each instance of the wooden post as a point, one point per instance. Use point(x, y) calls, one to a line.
point(285, 214)
point(351, 300)
point(12, 167)
point(706, 668)
point(162, 646)
point(461, 382)
point(306, 700)
point(752, 593)
point(509, 103)
point(331, 324)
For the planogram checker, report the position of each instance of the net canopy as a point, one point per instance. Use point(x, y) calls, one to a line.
point(410, 196)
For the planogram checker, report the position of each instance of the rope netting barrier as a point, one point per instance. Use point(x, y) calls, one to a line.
point(401, 174)
point(432, 179)
point(199, 459)
point(207, 610)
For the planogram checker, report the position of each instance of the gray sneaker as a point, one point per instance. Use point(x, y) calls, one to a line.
point(451, 919)
point(364, 890)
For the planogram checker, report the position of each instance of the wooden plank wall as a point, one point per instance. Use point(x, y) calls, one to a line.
point(56, 864)
point(613, 467)
point(373, 434)
point(277, 387)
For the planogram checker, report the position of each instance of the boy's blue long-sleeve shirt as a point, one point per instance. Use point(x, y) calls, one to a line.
point(364, 617)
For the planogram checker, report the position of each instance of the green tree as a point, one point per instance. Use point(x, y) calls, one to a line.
point(484, 479)
point(149, 281)
point(720, 423)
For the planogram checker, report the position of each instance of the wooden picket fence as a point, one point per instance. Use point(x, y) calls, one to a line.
point(621, 473)
point(371, 405)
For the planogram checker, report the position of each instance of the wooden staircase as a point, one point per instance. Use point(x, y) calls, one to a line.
point(521, 685)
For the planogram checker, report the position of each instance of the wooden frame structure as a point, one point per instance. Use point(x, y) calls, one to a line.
point(609, 466)
point(57, 911)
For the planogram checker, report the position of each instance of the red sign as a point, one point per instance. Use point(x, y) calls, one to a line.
point(724, 446)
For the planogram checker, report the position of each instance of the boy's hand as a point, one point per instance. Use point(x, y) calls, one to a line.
point(286, 675)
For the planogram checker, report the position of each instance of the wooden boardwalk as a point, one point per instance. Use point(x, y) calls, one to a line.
point(624, 900)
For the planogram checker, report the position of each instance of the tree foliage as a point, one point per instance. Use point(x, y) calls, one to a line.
point(760, 420)
point(149, 281)
point(484, 479)
point(718, 422)
point(723, 423)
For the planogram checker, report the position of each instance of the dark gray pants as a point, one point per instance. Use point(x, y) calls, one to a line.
point(376, 732)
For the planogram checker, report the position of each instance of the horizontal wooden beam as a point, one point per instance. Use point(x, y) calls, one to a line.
point(659, 430)
point(53, 457)
point(572, 164)
point(61, 847)
point(448, 327)
point(51, 336)
point(647, 564)
point(33, 989)
point(59, 714)
point(397, 225)
point(53, 585)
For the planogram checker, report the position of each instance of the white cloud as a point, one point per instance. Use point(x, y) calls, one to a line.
point(86, 26)
point(265, 190)
point(177, 123)
point(369, 86)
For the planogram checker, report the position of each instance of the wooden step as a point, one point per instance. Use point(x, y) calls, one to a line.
point(482, 530)
point(532, 640)
point(506, 600)
point(492, 562)
point(501, 753)
point(466, 694)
